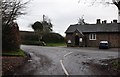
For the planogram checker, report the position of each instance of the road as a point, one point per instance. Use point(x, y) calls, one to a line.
point(62, 60)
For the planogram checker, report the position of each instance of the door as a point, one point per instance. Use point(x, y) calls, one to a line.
point(76, 40)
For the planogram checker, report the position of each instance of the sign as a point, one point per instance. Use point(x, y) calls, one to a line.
point(80, 39)
point(69, 41)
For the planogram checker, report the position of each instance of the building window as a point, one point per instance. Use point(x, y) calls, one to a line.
point(92, 36)
point(69, 41)
point(80, 39)
point(76, 34)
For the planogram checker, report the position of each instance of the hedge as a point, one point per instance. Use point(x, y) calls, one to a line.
point(10, 37)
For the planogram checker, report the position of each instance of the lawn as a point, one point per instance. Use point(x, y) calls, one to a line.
point(41, 44)
point(18, 52)
point(56, 44)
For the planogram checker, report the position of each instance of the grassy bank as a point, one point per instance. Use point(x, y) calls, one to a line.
point(18, 52)
point(41, 44)
point(56, 44)
point(110, 66)
point(31, 42)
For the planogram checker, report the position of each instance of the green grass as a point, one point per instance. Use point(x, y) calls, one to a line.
point(18, 52)
point(30, 42)
point(40, 43)
point(116, 64)
point(55, 44)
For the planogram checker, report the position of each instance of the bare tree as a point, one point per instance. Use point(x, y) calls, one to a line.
point(11, 9)
point(42, 28)
point(81, 21)
point(47, 25)
point(115, 2)
point(38, 29)
point(93, 2)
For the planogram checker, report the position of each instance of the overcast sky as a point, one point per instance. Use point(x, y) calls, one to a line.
point(64, 13)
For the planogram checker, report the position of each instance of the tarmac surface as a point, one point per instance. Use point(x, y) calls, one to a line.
point(63, 60)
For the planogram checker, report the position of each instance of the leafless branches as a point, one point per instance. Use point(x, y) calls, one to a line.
point(11, 9)
point(117, 3)
point(104, 2)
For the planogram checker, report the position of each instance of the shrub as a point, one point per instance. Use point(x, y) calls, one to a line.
point(53, 38)
point(26, 42)
point(10, 37)
point(30, 38)
point(17, 53)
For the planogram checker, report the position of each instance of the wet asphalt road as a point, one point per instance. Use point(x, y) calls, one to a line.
point(46, 60)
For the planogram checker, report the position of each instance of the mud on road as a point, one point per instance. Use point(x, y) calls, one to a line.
point(37, 62)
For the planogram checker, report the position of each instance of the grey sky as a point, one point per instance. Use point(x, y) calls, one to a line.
point(64, 12)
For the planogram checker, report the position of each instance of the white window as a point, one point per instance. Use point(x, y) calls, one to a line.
point(92, 36)
point(69, 41)
point(80, 39)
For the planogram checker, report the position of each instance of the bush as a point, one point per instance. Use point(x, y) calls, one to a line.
point(30, 38)
point(17, 53)
point(10, 37)
point(56, 44)
point(53, 38)
point(27, 42)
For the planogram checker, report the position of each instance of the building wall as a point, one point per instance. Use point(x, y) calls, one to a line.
point(113, 38)
point(69, 36)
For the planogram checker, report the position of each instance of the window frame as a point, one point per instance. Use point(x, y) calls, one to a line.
point(92, 36)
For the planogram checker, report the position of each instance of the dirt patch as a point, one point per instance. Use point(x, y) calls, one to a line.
point(9, 64)
point(106, 66)
point(37, 63)
point(112, 65)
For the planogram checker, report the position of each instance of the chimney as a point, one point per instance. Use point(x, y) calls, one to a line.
point(111, 21)
point(114, 21)
point(102, 22)
point(98, 21)
point(105, 21)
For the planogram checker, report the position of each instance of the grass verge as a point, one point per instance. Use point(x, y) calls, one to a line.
point(18, 53)
point(41, 44)
point(30, 42)
point(55, 44)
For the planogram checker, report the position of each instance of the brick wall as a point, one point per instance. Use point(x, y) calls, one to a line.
point(113, 38)
point(69, 36)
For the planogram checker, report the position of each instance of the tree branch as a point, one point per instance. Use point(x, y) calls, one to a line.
point(117, 4)
point(11, 9)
